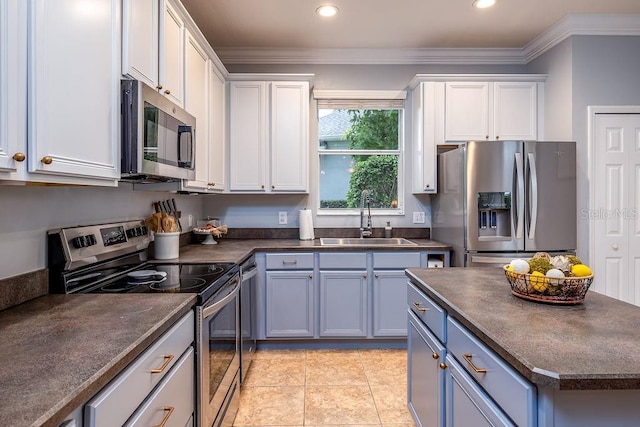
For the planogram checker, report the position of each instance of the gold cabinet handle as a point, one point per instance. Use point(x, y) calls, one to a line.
point(159, 87)
point(47, 160)
point(417, 306)
point(285, 262)
point(167, 91)
point(19, 157)
point(436, 356)
point(477, 370)
point(497, 137)
point(169, 410)
point(487, 137)
point(443, 365)
point(211, 184)
point(167, 359)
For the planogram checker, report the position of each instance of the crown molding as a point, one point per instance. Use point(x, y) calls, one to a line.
point(582, 25)
point(570, 25)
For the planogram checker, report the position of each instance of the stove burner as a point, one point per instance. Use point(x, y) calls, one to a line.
point(200, 270)
point(187, 283)
point(119, 287)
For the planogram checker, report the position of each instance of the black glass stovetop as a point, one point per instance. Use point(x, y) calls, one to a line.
point(202, 279)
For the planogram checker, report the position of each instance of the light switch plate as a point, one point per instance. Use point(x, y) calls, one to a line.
point(282, 218)
point(418, 218)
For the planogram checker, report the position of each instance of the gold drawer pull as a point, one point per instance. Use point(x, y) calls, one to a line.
point(19, 157)
point(47, 160)
point(443, 365)
point(477, 370)
point(417, 306)
point(436, 356)
point(169, 410)
point(167, 359)
point(167, 91)
point(285, 262)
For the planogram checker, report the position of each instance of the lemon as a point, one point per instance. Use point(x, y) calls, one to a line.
point(580, 270)
point(538, 281)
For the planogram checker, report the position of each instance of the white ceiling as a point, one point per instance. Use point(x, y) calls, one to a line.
point(392, 24)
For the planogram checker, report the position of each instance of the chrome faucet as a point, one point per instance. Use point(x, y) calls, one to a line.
point(365, 199)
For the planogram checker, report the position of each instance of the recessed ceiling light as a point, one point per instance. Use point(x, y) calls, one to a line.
point(327, 10)
point(481, 4)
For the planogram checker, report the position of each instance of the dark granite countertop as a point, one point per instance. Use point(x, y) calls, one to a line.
point(57, 351)
point(591, 346)
point(237, 250)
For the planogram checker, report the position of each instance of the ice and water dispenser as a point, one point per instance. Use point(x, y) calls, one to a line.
point(494, 215)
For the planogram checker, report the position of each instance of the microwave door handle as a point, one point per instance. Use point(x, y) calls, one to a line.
point(182, 130)
point(533, 176)
point(519, 202)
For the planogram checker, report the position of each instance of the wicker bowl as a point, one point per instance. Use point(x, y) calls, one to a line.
point(570, 290)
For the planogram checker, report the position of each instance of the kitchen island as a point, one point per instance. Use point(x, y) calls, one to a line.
point(582, 361)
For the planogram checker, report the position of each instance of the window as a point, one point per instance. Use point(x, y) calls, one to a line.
point(360, 148)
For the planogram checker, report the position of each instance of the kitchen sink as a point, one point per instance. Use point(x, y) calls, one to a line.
point(332, 241)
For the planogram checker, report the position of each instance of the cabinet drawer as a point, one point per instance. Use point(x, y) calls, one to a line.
point(290, 261)
point(396, 260)
point(117, 401)
point(428, 311)
point(342, 260)
point(512, 392)
point(173, 399)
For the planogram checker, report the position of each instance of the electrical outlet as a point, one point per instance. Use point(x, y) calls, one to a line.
point(190, 221)
point(282, 218)
point(418, 218)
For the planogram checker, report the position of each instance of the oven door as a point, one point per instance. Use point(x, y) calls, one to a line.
point(219, 359)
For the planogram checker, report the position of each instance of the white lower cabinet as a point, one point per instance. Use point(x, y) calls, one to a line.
point(159, 384)
point(480, 389)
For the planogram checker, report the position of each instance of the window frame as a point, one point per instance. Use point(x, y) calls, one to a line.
point(364, 100)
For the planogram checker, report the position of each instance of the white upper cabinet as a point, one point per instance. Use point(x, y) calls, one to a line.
point(73, 89)
point(478, 110)
point(197, 104)
point(428, 130)
point(289, 136)
point(153, 46)
point(269, 136)
point(247, 136)
point(217, 117)
point(172, 55)
point(13, 89)
point(140, 40)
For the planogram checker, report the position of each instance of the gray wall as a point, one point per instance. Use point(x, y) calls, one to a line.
point(601, 71)
point(27, 212)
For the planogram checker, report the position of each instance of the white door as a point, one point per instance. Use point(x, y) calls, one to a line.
point(172, 55)
point(140, 28)
point(467, 111)
point(614, 215)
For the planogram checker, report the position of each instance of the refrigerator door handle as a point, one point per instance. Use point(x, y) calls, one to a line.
point(484, 259)
point(534, 195)
point(519, 196)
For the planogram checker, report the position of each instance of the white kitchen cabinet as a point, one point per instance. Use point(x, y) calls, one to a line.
point(196, 102)
point(13, 87)
point(73, 92)
point(153, 46)
point(478, 110)
point(428, 132)
point(217, 130)
point(269, 136)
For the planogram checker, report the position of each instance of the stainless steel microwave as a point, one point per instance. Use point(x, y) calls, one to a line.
point(158, 137)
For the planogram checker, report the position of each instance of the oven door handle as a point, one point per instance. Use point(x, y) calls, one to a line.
point(249, 273)
point(217, 306)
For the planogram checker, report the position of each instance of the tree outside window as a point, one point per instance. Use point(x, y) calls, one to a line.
point(359, 150)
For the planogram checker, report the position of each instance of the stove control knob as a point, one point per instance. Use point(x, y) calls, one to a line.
point(132, 232)
point(143, 230)
point(84, 241)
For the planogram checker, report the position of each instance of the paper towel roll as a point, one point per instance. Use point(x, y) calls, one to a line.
point(306, 225)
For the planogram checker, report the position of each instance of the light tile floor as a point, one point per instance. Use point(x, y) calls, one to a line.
point(319, 388)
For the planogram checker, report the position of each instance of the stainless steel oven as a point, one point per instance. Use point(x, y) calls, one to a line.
point(218, 329)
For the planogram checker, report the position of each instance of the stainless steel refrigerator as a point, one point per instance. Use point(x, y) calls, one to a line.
point(499, 200)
